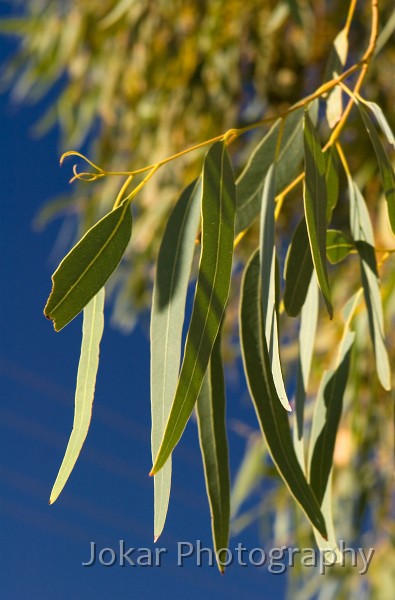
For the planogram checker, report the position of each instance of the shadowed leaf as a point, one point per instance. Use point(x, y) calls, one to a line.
point(167, 318)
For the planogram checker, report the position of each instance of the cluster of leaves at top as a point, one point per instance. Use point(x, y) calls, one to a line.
point(223, 208)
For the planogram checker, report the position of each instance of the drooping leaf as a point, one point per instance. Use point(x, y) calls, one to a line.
point(337, 60)
point(382, 121)
point(338, 245)
point(315, 206)
point(385, 166)
point(268, 277)
point(362, 232)
point(92, 331)
point(332, 181)
point(167, 318)
point(251, 180)
point(210, 409)
point(295, 11)
point(308, 326)
point(272, 417)
point(327, 413)
point(249, 474)
point(86, 268)
point(298, 270)
point(212, 290)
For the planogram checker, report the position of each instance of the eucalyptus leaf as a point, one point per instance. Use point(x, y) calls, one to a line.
point(249, 474)
point(272, 417)
point(268, 277)
point(298, 270)
point(382, 121)
point(338, 245)
point(332, 181)
point(327, 413)
point(362, 231)
point(92, 331)
point(211, 295)
point(167, 318)
point(385, 166)
point(251, 180)
point(210, 409)
point(337, 60)
point(315, 206)
point(307, 331)
point(86, 268)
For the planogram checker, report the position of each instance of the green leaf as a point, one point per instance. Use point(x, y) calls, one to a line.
point(211, 295)
point(327, 413)
point(308, 326)
point(298, 270)
point(315, 205)
point(295, 11)
point(268, 277)
point(92, 331)
point(249, 474)
point(86, 268)
point(251, 180)
point(337, 60)
point(362, 232)
point(167, 318)
point(272, 417)
point(338, 245)
point(332, 181)
point(210, 409)
point(382, 121)
point(386, 169)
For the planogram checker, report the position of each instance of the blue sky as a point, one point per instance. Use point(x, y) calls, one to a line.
point(109, 495)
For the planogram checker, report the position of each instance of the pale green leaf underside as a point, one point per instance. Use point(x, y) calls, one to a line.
point(268, 278)
point(210, 409)
point(92, 331)
point(167, 318)
point(86, 268)
point(336, 62)
point(249, 474)
point(315, 206)
point(362, 232)
point(211, 295)
point(272, 417)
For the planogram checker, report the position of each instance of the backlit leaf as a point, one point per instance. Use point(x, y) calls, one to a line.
point(249, 474)
point(337, 60)
point(86, 268)
point(315, 206)
point(268, 276)
point(210, 409)
point(167, 318)
point(212, 290)
point(272, 417)
point(92, 331)
point(362, 231)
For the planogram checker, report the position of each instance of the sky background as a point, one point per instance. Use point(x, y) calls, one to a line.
point(109, 495)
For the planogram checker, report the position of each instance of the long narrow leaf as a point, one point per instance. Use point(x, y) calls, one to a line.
point(167, 318)
point(212, 290)
point(86, 268)
point(268, 277)
point(328, 410)
point(315, 206)
point(362, 231)
point(250, 182)
point(249, 474)
point(337, 60)
point(308, 326)
point(210, 410)
point(272, 417)
point(385, 166)
point(92, 332)
point(298, 270)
